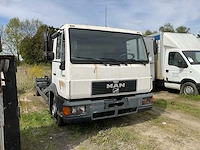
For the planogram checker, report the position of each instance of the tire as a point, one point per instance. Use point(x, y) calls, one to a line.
point(189, 88)
point(54, 113)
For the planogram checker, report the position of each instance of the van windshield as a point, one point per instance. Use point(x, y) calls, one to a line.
point(192, 56)
point(93, 46)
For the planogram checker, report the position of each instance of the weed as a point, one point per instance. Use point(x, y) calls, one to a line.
point(186, 108)
point(34, 126)
point(36, 71)
point(160, 103)
point(182, 103)
point(191, 97)
point(112, 137)
point(25, 76)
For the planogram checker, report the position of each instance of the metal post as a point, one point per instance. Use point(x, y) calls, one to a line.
point(10, 105)
point(1, 117)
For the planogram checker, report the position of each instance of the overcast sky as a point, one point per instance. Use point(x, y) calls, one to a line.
point(130, 14)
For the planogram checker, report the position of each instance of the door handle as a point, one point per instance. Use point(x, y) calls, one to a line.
point(167, 70)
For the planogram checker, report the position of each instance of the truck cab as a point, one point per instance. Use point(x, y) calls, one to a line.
point(97, 73)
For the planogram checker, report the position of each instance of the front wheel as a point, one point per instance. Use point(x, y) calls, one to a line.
point(54, 113)
point(189, 88)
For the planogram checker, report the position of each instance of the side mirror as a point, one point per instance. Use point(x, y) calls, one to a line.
point(182, 64)
point(47, 41)
point(49, 55)
point(47, 46)
point(0, 45)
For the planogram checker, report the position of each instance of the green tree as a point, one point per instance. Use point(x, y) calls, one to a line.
point(149, 32)
point(167, 28)
point(14, 35)
point(182, 29)
point(31, 47)
point(25, 47)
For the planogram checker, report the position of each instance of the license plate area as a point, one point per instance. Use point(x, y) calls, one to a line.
point(113, 103)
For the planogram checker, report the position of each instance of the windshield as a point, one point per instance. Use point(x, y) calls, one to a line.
point(192, 56)
point(92, 46)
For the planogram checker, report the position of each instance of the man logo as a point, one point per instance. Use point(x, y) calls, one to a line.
point(115, 86)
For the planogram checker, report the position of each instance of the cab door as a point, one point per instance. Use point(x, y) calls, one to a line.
point(58, 64)
point(176, 69)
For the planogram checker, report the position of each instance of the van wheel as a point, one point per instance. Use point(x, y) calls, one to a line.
point(189, 88)
point(54, 113)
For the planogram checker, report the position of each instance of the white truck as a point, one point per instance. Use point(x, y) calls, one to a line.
point(97, 73)
point(175, 61)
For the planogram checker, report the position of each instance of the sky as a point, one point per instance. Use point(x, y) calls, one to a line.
point(139, 15)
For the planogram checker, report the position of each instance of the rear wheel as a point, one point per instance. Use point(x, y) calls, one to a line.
point(189, 88)
point(54, 113)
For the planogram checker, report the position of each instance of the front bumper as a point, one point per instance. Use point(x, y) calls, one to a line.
point(107, 108)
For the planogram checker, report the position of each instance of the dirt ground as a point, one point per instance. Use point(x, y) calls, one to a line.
point(159, 129)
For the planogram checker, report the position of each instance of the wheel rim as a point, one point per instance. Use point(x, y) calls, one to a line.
point(54, 109)
point(188, 90)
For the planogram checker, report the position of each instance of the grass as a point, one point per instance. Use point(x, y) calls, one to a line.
point(112, 134)
point(191, 97)
point(183, 103)
point(36, 128)
point(160, 103)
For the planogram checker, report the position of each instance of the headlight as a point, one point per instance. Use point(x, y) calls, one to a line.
point(147, 100)
point(77, 110)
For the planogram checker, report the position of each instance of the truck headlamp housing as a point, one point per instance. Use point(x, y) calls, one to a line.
point(78, 110)
point(147, 100)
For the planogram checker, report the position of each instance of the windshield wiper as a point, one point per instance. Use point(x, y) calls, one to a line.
point(112, 59)
point(89, 58)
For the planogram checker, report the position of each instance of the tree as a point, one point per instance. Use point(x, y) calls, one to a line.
point(31, 47)
point(149, 32)
point(26, 47)
point(1, 30)
point(1, 35)
point(14, 35)
point(167, 28)
point(30, 27)
point(182, 29)
point(17, 30)
point(198, 35)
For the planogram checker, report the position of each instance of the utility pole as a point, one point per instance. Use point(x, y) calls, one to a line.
point(106, 16)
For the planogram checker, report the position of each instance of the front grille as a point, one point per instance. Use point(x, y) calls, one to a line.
point(113, 87)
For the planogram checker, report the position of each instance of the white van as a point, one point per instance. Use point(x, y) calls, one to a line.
point(175, 59)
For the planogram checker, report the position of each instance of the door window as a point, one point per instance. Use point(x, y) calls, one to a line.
point(58, 47)
point(174, 58)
